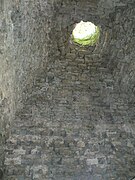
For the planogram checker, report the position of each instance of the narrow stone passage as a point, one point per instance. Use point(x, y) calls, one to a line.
point(75, 105)
point(74, 125)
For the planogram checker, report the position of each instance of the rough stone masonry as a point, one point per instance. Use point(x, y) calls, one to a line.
point(66, 112)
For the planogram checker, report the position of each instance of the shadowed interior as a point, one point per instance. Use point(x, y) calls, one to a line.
point(67, 112)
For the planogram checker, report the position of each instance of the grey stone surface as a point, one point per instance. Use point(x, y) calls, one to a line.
point(67, 112)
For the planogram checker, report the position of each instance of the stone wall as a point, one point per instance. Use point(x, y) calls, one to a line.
point(6, 82)
point(74, 106)
point(20, 58)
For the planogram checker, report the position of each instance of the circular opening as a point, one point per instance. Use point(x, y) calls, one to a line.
point(85, 33)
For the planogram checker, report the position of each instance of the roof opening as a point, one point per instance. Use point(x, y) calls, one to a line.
point(85, 33)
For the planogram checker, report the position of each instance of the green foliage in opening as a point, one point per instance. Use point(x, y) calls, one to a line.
point(89, 40)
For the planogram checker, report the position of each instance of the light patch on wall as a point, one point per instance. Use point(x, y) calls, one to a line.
point(85, 33)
